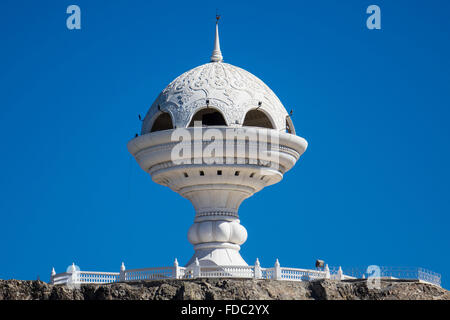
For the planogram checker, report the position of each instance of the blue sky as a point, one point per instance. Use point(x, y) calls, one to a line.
point(374, 105)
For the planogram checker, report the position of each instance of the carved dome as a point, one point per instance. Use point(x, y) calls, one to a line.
point(230, 90)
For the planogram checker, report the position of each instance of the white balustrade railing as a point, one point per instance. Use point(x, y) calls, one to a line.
point(267, 273)
point(96, 277)
point(429, 276)
point(149, 274)
point(277, 272)
point(385, 272)
point(227, 272)
point(294, 274)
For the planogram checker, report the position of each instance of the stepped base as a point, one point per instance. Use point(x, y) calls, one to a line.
point(217, 257)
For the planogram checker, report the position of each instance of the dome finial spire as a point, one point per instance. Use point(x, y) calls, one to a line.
point(217, 54)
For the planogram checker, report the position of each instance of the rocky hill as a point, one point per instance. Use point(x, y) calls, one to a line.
point(224, 289)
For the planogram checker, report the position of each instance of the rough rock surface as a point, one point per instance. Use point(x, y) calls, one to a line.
point(224, 289)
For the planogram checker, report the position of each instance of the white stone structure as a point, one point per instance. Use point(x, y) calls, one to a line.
point(74, 277)
point(220, 105)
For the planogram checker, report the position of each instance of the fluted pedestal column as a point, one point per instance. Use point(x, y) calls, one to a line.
point(217, 233)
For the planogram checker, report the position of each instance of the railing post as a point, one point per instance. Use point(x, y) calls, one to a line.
point(327, 272)
point(196, 268)
point(257, 272)
point(176, 269)
point(52, 276)
point(122, 273)
point(277, 271)
point(340, 274)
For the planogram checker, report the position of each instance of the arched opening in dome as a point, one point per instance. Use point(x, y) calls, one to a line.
point(163, 122)
point(257, 118)
point(208, 117)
